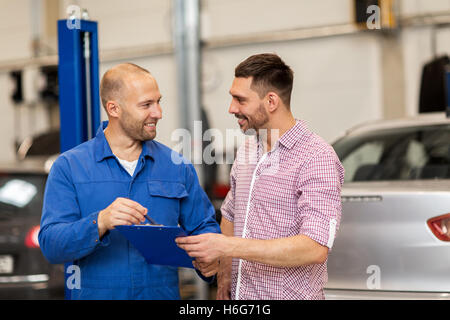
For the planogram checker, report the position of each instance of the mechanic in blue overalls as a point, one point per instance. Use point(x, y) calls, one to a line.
point(117, 178)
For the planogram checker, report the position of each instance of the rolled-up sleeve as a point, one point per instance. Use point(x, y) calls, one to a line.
point(65, 236)
point(319, 203)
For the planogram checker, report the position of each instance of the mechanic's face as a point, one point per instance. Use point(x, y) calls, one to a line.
point(141, 107)
point(247, 106)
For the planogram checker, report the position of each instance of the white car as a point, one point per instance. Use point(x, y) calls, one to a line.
point(394, 237)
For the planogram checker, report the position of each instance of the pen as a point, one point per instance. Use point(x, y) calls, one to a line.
point(151, 221)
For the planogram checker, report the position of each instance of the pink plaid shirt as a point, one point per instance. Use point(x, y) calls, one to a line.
point(293, 189)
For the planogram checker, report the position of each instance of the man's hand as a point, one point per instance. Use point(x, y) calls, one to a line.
point(121, 212)
point(224, 279)
point(206, 247)
point(207, 269)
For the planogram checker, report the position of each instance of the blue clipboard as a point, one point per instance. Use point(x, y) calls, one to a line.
point(157, 244)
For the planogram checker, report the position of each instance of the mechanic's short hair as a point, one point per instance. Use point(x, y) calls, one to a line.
point(112, 82)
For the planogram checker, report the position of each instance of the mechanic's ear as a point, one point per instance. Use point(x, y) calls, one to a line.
point(112, 109)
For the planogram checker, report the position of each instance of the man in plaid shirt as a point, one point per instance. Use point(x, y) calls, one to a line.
point(280, 217)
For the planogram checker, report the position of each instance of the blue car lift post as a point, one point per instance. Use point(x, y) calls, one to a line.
point(79, 101)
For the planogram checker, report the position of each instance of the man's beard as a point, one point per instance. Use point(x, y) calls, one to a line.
point(256, 121)
point(135, 129)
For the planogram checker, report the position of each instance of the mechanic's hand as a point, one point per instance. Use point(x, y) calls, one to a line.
point(207, 269)
point(121, 212)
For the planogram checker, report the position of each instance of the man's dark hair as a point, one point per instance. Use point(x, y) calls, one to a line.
point(269, 73)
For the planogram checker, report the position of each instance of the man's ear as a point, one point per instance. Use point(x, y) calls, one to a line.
point(112, 108)
point(273, 101)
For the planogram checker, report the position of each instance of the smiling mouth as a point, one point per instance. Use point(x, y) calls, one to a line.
point(151, 125)
point(242, 119)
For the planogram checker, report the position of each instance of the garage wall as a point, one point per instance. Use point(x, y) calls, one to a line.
point(414, 7)
point(7, 121)
point(15, 29)
point(417, 45)
point(237, 17)
point(122, 25)
point(339, 80)
point(418, 50)
point(346, 68)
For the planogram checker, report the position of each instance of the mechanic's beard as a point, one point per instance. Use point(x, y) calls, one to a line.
point(135, 129)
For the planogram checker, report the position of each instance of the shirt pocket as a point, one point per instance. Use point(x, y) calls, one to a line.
point(165, 198)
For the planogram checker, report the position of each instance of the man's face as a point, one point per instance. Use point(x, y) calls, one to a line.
point(140, 107)
point(247, 106)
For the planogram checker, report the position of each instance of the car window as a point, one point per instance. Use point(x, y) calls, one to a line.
point(21, 194)
point(396, 154)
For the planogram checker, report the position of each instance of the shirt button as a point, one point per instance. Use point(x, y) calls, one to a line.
point(94, 222)
point(96, 240)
